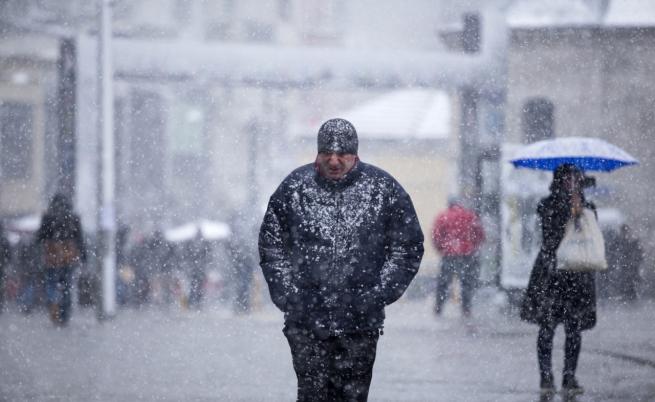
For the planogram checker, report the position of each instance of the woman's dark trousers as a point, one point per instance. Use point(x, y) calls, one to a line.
point(572, 346)
point(58, 284)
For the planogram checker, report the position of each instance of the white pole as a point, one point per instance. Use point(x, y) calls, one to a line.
point(107, 216)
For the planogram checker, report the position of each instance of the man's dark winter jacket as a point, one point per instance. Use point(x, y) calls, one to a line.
point(334, 253)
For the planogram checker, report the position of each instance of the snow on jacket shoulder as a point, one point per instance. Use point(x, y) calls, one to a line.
point(334, 253)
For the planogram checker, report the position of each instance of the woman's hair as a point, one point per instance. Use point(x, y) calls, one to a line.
point(60, 204)
point(557, 186)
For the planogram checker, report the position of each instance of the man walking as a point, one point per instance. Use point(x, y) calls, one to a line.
point(340, 240)
point(61, 238)
point(457, 235)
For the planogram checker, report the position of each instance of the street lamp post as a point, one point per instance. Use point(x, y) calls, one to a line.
point(106, 215)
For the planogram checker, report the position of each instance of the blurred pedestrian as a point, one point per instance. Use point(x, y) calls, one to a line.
point(159, 259)
point(60, 235)
point(457, 235)
point(555, 296)
point(30, 273)
point(197, 258)
point(340, 240)
point(242, 249)
point(139, 255)
point(5, 259)
point(125, 277)
point(624, 258)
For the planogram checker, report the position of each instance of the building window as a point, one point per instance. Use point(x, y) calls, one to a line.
point(538, 120)
point(16, 142)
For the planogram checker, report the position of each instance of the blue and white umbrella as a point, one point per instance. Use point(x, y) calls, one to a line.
point(588, 154)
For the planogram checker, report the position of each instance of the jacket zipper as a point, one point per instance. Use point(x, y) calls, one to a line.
point(335, 248)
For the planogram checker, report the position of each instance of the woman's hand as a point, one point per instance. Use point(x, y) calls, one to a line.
point(576, 205)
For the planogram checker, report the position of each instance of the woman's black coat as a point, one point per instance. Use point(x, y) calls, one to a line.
point(554, 296)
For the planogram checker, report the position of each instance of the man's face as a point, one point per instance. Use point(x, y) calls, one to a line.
point(335, 165)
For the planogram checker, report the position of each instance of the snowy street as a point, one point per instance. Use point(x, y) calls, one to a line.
point(213, 355)
point(172, 170)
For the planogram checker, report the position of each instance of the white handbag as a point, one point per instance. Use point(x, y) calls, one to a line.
point(583, 248)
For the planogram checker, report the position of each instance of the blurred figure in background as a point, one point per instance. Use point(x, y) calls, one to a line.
point(624, 258)
point(138, 256)
point(158, 260)
point(60, 236)
point(243, 255)
point(125, 282)
point(197, 256)
point(30, 273)
point(5, 258)
point(457, 235)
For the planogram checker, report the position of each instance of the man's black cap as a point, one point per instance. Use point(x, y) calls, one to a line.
point(339, 136)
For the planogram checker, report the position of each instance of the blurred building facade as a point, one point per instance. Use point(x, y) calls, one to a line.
point(190, 148)
point(186, 147)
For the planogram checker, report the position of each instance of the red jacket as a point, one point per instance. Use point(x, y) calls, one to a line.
point(457, 231)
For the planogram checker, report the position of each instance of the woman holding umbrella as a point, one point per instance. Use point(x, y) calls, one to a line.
point(556, 296)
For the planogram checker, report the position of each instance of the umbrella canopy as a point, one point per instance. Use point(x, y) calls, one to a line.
point(584, 152)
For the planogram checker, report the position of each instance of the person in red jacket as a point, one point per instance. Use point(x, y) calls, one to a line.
point(457, 235)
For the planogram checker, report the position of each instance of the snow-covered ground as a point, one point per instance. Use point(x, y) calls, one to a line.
point(214, 355)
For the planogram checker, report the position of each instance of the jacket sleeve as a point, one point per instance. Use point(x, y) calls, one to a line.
point(438, 235)
point(404, 247)
point(274, 254)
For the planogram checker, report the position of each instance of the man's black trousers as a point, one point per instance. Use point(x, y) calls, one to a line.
point(335, 369)
point(466, 269)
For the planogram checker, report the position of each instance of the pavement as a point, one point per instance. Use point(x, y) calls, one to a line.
point(171, 354)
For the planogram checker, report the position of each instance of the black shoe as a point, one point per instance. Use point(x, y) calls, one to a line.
point(570, 386)
point(547, 385)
